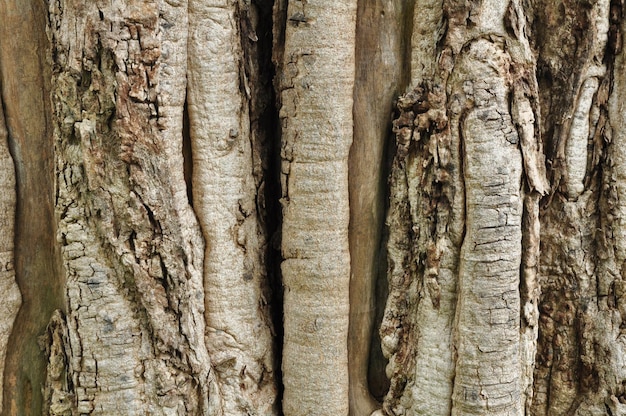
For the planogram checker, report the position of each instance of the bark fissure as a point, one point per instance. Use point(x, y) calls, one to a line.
point(11, 297)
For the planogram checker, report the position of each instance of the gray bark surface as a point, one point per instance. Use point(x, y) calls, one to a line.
point(131, 246)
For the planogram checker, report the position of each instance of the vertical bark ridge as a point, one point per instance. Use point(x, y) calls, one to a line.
point(487, 376)
point(24, 77)
point(131, 245)
point(11, 297)
point(426, 225)
point(316, 88)
point(379, 48)
point(227, 176)
point(428, 31)
point(611, 288)
point(421, 252)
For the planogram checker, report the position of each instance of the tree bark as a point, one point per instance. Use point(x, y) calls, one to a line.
point(298, 207)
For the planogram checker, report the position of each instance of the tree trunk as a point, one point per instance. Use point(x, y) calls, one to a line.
point(375, 207)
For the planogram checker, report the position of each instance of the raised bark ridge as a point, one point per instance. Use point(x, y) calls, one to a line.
point(227, 173)
point(455, 248)
point(316, 87)
point(487, 375)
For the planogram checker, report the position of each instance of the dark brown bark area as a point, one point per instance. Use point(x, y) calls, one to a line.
point(576, 268)
point(25, 93)
point(383, 31)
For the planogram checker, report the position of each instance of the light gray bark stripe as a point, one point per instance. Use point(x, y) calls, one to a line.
point(487, 378)
point(316, 115)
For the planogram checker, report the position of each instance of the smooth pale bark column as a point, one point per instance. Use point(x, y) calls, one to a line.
point(9, 291)
point(225, 200)
point(316, 95)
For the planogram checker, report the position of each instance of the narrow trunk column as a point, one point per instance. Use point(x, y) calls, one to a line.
point(225, 200)
point(487, 377)
point(316, 96)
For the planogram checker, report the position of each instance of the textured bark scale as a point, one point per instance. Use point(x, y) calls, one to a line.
point(456, 232)
point(131, 246)
point(487, 373)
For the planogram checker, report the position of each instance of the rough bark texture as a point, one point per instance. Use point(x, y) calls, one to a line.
point(457, 244)
point(188, 237)
point(131, 246)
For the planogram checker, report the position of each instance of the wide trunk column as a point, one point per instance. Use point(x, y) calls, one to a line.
point(131, 245)
point(458, 187)
point(316, 84)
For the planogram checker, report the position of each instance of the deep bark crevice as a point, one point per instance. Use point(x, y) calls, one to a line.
point(383, 30)
point(187, 156)
point(267, 122)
